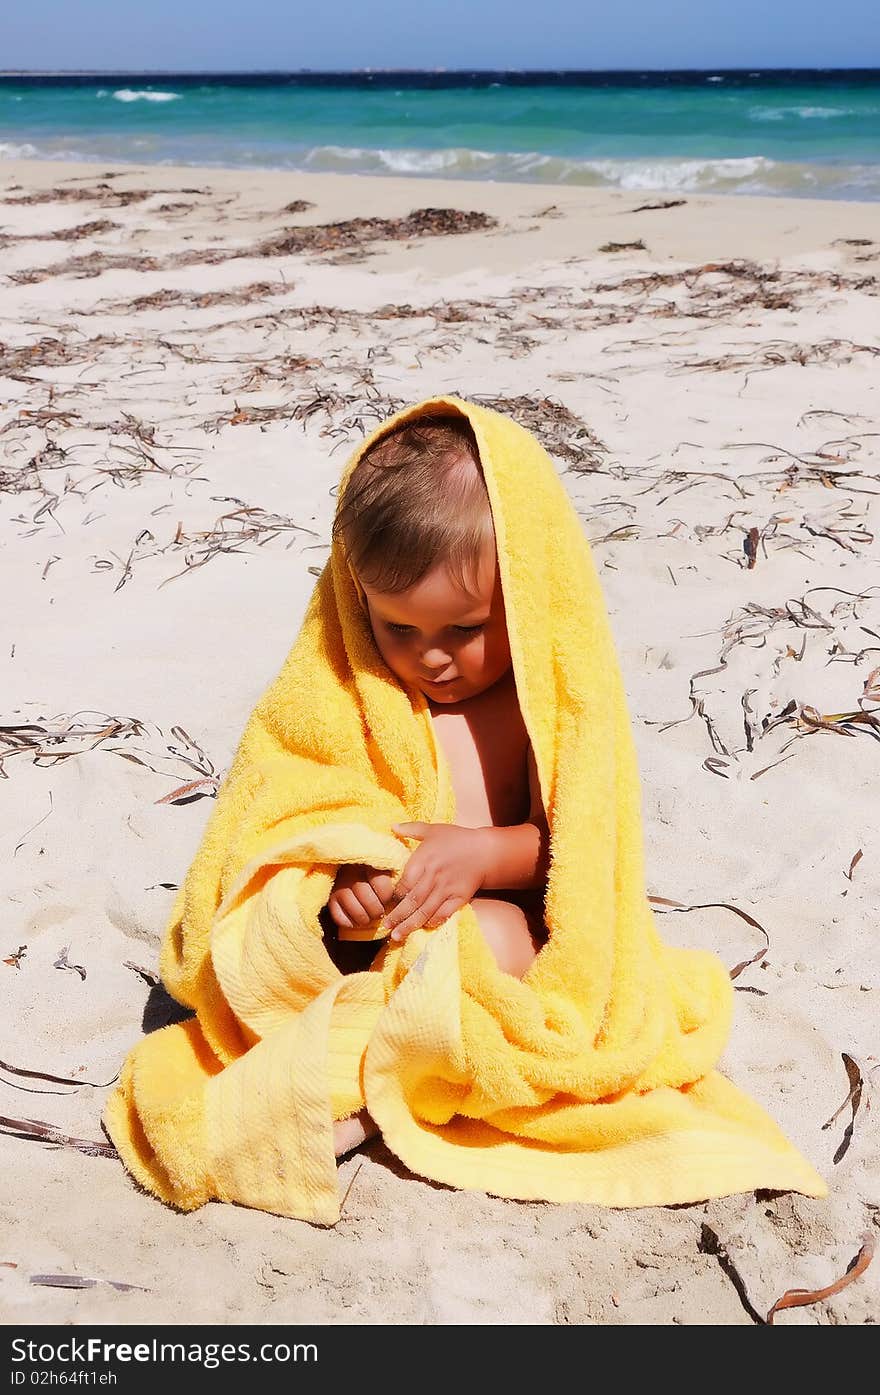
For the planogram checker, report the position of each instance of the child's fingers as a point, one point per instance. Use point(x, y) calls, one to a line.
point(429, 913)
point(422, 916)
point(350, 906)
point(383, 885)
point(405, 916)
point(337, 914)
point(370, 900)
point(406, 928)
point(407, 905)
point(444, 911)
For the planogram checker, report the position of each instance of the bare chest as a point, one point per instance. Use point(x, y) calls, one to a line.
point(486, 744)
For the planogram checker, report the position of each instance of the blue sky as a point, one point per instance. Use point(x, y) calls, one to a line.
point(289, 34)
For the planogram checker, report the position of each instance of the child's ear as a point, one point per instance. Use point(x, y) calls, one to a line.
point(362, 599)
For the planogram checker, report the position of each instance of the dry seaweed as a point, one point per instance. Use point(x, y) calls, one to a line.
point(325, 237)
point(710, 1243)
point(77, 1281)
point(19, 361)
point(352, 234)
point(514, 320)
point(62, 962)
point(167, 298)
point(799, 1297)
point(102, 194)
point(857, 857)
point(149, 978)
point(349, 1187)
point(35, 1131)
point(623, 246)
point(95, 228)
point(42, 417)
point(91, 264)
point(843, 723)
point(726, 906)
point(854, 1098)
point(776, 354)
point(60, 738)
point(664, 203)
point(720, 289)
point(559, 430)
point(232, 532)
point(56, 1079)
point(755, 622)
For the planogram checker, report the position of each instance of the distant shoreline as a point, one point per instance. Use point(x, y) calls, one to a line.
point(774, 133)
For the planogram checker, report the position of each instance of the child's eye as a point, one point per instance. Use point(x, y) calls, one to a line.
point(462, 629)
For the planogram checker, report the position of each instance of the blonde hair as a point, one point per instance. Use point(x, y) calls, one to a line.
point(415, 499)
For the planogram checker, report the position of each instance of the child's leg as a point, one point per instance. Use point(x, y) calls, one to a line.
point(514, 934)
point(349, 1134)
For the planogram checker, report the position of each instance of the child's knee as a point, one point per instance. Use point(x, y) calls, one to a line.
point(508, 932)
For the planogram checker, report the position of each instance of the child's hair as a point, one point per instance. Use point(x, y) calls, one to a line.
point(415, 499)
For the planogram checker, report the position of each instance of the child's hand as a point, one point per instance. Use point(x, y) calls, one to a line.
point(360, 894)
point(441, 875)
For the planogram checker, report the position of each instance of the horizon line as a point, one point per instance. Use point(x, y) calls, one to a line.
point(471, 68)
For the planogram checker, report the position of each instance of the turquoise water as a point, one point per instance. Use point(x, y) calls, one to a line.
point(810, 134)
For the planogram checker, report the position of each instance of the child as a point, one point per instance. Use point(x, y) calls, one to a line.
point(528, 1033)
point(416, 527)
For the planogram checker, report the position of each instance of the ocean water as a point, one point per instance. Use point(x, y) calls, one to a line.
point(806, 133)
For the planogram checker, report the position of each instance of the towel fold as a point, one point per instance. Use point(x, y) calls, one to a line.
point(591, 1079)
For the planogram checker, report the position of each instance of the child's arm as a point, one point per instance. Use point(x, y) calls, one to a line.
point(518, 856)
point(453, 863)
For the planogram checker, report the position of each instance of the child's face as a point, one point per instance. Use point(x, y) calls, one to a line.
point(435, 631)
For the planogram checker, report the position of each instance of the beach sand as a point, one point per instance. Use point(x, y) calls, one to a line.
point(186, 367)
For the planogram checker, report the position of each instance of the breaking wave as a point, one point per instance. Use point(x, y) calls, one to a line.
point(128, 94)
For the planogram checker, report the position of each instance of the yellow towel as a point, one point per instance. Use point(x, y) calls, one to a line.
point(591, 1079)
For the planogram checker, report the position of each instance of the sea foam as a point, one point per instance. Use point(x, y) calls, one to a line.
point(128, 94)
point(805, 113)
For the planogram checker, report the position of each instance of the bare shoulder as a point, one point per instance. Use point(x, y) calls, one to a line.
point(502, 706)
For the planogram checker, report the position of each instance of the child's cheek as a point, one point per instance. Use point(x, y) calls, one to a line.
point(393, 654)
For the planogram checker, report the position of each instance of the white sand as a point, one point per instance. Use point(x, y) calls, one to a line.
point(719, 403)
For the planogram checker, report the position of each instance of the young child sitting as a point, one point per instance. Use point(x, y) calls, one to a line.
point(416, 527)
point(528, 1033)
